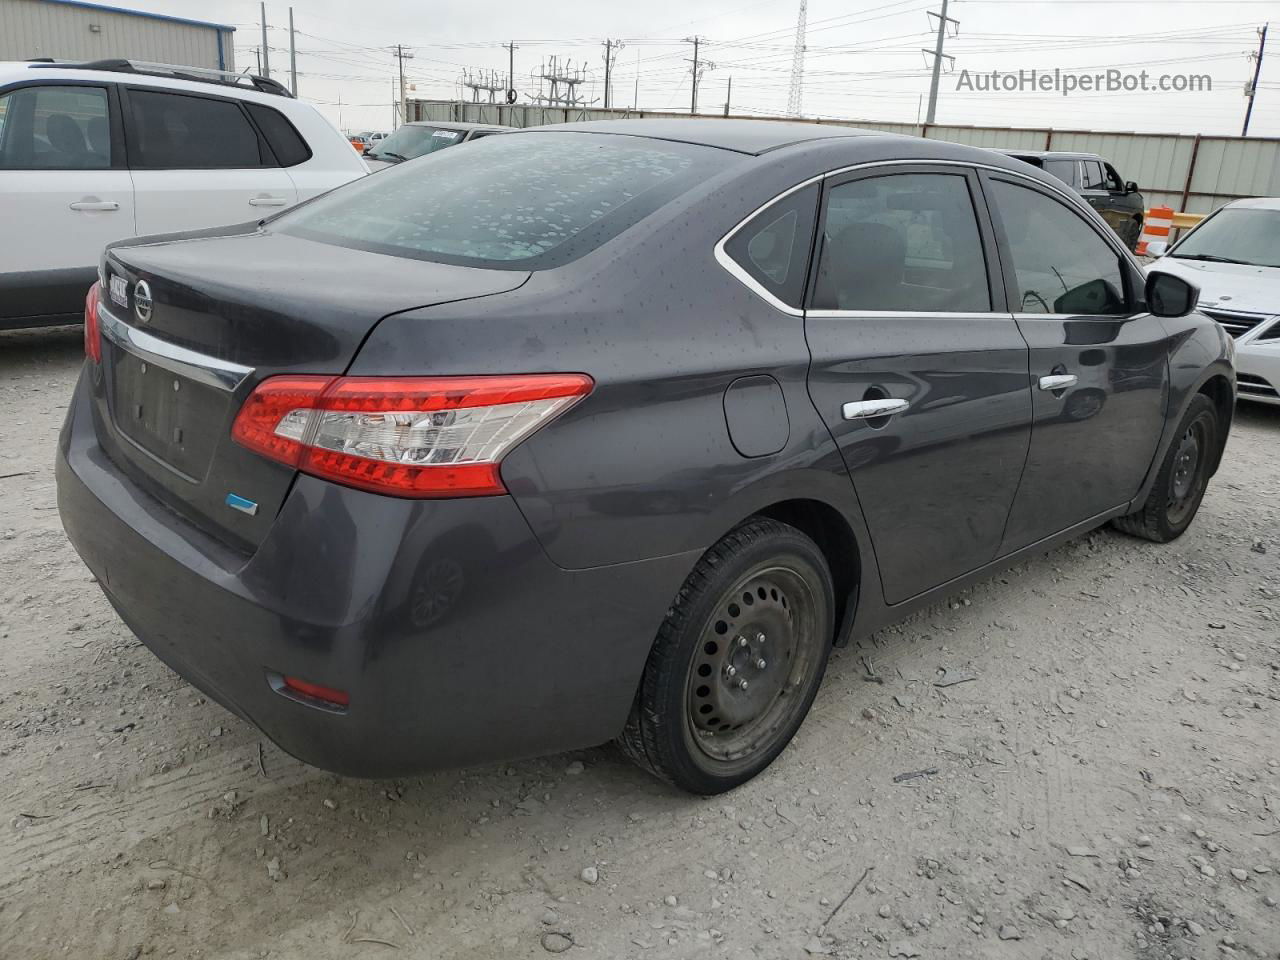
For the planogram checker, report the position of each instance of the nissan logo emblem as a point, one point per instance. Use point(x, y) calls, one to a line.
point(142, 302)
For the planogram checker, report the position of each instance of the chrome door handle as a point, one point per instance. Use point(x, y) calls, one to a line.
point(90, 204)
point(1058, 381)
point(870, 409)
point(268, 202)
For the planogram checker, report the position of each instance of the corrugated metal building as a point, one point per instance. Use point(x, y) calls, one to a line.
point(76, 30)
point(1188, 172)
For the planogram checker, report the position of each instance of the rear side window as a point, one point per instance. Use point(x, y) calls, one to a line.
point(1060, 264)
point(172, 131)
point(1064, 170)
point(905, 242)
point(773, 249)
point(55, 128)
point(282, 136)
point(522, 200)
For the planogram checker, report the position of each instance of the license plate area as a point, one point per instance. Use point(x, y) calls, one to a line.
point(174, 419)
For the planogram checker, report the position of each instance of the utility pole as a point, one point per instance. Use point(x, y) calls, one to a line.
point(611, 48)
point(698, 67)
point(266, 59)
point(635, 97)
point(293, 58)
point(938, 56)
point(728, 95)
point(511, 70)
point(1251, 91)
point(401, 55)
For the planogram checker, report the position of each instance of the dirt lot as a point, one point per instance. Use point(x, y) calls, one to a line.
point(1107, 785)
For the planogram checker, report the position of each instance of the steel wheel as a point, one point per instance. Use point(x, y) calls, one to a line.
point(758, 648)
point(1189, 474)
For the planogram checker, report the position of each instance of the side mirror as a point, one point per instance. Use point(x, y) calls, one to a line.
point(1157, 248)
point(1130, 187)
point(1170, 296)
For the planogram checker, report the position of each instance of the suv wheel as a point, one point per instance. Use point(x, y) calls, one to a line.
point(737, 662)
point(1183, 478)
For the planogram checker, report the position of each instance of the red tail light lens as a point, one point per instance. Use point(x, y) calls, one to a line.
point(92, 337)
point(404, 436)
point(339, 698)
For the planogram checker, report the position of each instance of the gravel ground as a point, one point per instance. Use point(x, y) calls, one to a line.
point(1105, 785)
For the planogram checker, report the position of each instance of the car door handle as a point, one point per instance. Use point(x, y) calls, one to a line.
point(1058, 381)
point(91, 203)
point(268, 202)
point(870, 409)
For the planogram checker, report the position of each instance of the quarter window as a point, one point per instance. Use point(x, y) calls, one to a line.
point(1064, 170)
point(1060, 264)
point(774, 247)
point(904, 242)
point(55, 128)
point(175, 132)
point(285, 141)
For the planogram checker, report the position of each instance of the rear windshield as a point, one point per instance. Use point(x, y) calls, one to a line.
point(524, 201)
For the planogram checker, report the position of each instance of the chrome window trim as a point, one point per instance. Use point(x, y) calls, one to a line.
point(735, 270)
point(910, 314)
point(221, 374)
point(1059, 317)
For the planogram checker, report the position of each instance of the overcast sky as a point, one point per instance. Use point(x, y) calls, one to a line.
point(863, 57)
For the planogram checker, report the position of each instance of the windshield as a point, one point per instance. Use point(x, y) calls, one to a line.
point(523, 201)
point(1235, 235)
point(412, 141)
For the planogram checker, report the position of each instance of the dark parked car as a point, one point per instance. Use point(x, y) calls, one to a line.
point(1118, 201)
point(612, 430)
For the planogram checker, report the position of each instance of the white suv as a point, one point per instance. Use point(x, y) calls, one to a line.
point(96, 152)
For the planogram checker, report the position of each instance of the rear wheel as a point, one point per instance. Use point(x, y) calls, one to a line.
point(737, 662)
point(1183, 478)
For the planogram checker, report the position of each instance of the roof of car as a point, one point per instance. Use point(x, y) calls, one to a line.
point(1051, 154)
point(1257, 203)
point(744, 136)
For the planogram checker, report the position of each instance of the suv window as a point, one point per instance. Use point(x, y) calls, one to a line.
point(55, 128)
point(1064, 170)
point(173, 131)
point(773, 248)
point(523, 201)
point(1093, 178)
point(1060, 264)
point(902, 242)
point(282, 136)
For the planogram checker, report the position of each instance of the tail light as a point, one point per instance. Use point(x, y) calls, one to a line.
point(403, 436)
point(92, 337)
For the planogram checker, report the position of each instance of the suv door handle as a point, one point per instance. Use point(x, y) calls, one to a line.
point(1058, 381)
point(93, 203)
point(870, 409)
point(268, 202)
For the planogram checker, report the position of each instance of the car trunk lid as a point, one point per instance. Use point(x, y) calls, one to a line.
point(190, 327)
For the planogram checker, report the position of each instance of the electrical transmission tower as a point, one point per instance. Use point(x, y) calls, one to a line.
point(797, 65)
point(483, 81)
point(558, 84)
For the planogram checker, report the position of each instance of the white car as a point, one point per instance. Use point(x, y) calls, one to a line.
point(420, 137)
point(96, 152)
point(1233, 256)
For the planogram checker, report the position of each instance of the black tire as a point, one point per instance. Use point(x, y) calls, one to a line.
point(764, 583)
point(1184, 475)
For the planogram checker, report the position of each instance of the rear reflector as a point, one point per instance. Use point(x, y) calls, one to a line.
point(339, 698)
point(403, 436)
point(92, 338)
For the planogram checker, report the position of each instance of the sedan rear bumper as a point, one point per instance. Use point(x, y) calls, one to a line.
point(456, 638)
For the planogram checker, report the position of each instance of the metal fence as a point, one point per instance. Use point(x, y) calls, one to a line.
point(1190, 173)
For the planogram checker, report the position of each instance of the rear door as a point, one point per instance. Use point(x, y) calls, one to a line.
point(1099, 369)
point(199, 161)
point(65, 193)
point(917, 369)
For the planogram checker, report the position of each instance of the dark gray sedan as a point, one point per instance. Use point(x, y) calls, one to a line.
point(611, 431)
